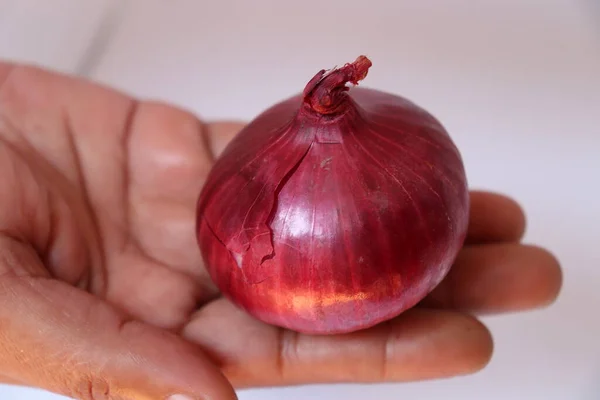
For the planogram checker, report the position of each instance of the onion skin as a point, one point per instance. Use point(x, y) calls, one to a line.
point(334, 210)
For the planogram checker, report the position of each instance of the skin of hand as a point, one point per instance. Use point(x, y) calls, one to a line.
point(103, 294)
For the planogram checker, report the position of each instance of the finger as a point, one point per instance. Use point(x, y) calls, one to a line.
point(494, 218)
point(420, 344)
point(66, 341)
point(499, 278)
point(5, 380)
point(219, 134)
point(5, 70)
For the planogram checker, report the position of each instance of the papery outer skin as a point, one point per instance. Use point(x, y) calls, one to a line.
point(333, 224)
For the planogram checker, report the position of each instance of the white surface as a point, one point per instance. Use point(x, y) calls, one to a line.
point(517, 83)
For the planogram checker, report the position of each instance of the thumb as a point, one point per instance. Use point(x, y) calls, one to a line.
point(65, 340)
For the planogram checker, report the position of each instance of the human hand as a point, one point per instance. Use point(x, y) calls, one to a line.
point(102, 290)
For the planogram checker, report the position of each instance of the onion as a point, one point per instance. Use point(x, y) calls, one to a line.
point(334, 210)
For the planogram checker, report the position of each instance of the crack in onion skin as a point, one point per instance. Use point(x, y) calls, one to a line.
point(334, 210)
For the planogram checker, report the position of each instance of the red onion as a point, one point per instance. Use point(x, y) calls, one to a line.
point(334, 210)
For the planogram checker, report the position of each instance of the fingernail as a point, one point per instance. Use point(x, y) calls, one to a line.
point(179, 397)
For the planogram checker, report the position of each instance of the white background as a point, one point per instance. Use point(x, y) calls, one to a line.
point(516, 82)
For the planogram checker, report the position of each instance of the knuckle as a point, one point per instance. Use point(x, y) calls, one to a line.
point(91, 388)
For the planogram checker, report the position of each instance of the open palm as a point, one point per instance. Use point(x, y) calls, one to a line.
point(103, 288)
